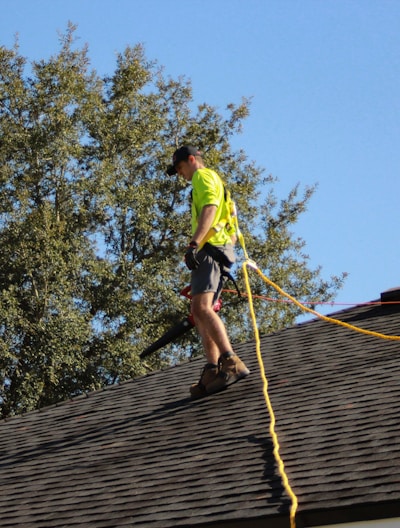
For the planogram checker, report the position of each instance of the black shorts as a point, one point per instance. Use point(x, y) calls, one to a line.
point(207, 277)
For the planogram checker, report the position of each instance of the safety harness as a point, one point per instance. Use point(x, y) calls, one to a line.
point(229, 223)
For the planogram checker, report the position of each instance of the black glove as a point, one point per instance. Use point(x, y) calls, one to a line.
point(191, 256)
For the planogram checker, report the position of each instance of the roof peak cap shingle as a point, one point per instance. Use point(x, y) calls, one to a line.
point(390, 295)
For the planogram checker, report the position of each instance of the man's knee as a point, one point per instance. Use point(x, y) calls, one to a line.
point(202, 304)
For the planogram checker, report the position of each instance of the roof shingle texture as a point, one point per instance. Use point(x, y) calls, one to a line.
point(143, 454)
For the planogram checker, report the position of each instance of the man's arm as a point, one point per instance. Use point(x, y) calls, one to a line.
point(205, 223)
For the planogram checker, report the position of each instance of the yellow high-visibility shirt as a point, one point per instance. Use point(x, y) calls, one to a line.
point(208, 189)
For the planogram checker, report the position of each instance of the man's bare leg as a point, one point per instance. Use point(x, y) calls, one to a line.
point(210, 327)
point(223, 365)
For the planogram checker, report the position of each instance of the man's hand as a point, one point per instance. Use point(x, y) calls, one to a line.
point(191, 256)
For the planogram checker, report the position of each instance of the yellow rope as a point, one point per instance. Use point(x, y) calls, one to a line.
point(324, 317)
point(273, 434)
point(281, 466)
point(278, 458)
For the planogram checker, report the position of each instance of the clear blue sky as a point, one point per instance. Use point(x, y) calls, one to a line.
point(324, 76)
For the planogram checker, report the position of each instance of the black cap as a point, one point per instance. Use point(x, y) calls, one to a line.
point(181, 154)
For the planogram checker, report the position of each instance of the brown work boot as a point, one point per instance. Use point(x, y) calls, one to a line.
point(231, 369)
point(208, 375)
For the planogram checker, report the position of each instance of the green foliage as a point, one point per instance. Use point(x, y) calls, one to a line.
point(92, 230)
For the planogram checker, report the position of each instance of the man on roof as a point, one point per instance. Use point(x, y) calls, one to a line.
point(209, 255)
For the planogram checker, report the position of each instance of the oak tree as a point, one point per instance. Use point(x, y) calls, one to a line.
point(92, 229)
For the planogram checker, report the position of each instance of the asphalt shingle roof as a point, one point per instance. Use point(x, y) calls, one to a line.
point(143, 454)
